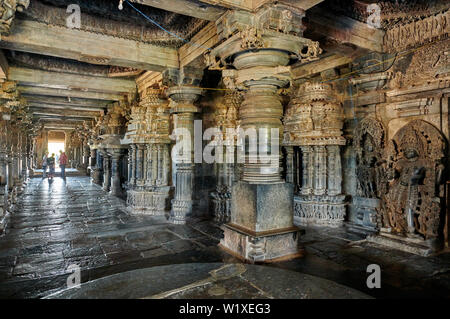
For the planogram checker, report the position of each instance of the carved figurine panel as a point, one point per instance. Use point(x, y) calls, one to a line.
point(416, 157)
point(314, 117)
point(369, 143)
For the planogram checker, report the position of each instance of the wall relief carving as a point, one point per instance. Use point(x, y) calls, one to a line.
point(415, 171)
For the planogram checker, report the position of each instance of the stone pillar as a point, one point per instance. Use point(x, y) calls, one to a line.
point(116, 185)
point(261, 227)
point(184, 110)
point(24, 156)
point(106, 172)
point(226, 119)
point(148, 137)
point(314, 122)
point(4, 117)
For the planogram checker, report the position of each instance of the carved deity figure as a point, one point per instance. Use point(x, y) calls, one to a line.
point(370, 165)
point(415, 169)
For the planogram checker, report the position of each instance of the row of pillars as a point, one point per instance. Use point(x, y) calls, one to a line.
point(16, 164)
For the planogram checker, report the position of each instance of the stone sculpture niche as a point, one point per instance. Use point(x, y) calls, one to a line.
point(369, 144)
point(411, 216)
point(313, 126)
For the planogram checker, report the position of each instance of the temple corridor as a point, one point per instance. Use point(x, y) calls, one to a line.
point(224, 149)
point(58, 224)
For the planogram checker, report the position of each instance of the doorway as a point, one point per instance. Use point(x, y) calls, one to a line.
point(56, 144)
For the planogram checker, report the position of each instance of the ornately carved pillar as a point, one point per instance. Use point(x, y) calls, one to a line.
point(314, 121)
point(261, 226)
point(148, 137)
point(226, 118)
point(184, 119)
point(184, 92)
point(116, 185)
point(106, 172)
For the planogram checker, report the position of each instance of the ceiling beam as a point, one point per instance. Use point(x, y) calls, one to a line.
point(63, 107)
point(41, 91)
point(186, 7)
point(345, 30)
point(308, 69)
point(68, 81)
point(204, 39)
point(64, 113)
point(40, 38)
point(65, 101)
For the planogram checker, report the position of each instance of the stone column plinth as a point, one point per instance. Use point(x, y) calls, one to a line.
point(261, 227)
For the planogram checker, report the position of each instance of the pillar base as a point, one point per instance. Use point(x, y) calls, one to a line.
point(180, 209)
point(149, 202)
point(254, 247)
point(320, 210)
point(97, 176)
point(417, 246)
point(261, 227)
point(366, 212)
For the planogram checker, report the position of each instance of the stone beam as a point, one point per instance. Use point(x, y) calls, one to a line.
point(63, 107)
point(306, 70)
point(61, 118)
point(146, 80)
point(345, 30)
point(190, 8)
point(252, 5)
point(66, 102)
point(69, 81)
point(63, 113)
point(40, 38)
point(41, 91)
point(58, 125)
point(204, 39)
point(301, 4)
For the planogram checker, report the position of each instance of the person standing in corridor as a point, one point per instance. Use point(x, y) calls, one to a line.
point(62, 164)
point(51, 166)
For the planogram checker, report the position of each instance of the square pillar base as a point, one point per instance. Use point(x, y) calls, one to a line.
point(149, 202)
point(272, 246)
point(261, 227)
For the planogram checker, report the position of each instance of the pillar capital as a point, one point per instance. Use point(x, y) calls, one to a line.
point(276, 29)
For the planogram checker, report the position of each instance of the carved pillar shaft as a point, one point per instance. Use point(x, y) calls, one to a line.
point(320, 170)
point(106, 173)
point(184, 176)
point(116, 187)
point(132, 159)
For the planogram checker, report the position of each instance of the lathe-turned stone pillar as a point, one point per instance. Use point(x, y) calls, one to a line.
point(149, 161)
point(112, 150)
point(261, 227)
point(313, 122)
point(116, 184)
point(106, 172)
point(184, 97)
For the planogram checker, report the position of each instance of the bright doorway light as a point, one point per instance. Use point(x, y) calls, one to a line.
point(55, 147)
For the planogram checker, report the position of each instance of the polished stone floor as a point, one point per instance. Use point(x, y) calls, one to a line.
point(59, 224)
